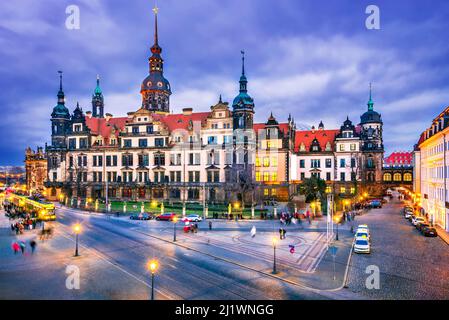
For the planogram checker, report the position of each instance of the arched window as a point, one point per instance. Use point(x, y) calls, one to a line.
point(407, 176)
point(387, 176)
point(397, 177)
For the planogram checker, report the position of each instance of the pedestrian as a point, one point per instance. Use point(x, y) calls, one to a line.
point(15, 247)
point(253, 231)
point(22, 246)
point(283, 233)
point(33, 246)
point(280, 233)
point(210, 225)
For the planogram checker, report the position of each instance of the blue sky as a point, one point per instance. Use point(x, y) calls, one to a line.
point(314, 59)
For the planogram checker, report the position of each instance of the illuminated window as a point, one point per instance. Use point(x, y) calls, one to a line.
point(271, 144)
point(407, 177)
point(397, 177)
point(257, 162)
point(328, 189)
point(266, 162)
point(274, 161)
point(342, 147)
point(387, 176)
point(352, 190)
point(273, 192)
point(274, 176)
point(265, 192)
point(257, 176)
point(266, 176)
point(342, 190)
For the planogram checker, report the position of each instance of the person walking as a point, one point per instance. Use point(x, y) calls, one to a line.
point(253, 231)
point(15, 247)
point(210, 225)
point(33, 246)
point(22, 246)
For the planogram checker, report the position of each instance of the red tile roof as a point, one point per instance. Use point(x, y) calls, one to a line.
point(307, 136)
point(99, 126)
point(399, 158)
point(181, 121)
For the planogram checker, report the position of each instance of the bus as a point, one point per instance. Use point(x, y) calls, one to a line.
point(37, 208)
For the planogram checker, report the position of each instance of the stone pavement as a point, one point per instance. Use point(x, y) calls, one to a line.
point(443, 234)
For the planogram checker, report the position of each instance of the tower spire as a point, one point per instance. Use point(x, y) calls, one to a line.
point(370, 101)
point(155, 10)
point(243, 81)
point(243, 62)
point(60, 80)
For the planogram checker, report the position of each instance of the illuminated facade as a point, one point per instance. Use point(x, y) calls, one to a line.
point(431, 170)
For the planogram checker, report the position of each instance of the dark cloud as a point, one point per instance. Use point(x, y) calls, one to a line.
point(313, 58)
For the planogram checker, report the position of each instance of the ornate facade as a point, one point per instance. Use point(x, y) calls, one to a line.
point(36, 170)
point(220, 155)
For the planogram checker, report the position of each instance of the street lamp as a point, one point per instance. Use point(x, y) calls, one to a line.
point(175, 220)
point(274, 240)
point(337, 221)
point(77, 230)
point(152, 267)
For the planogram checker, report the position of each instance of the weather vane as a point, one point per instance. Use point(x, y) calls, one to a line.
point(155, 9)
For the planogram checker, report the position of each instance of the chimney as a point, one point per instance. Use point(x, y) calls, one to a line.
point(89, 114)
point(108, 116)
point(187, 111)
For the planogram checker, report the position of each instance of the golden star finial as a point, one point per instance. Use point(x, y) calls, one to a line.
point(155, 9)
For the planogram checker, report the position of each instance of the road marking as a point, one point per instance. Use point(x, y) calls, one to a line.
point(63, 234)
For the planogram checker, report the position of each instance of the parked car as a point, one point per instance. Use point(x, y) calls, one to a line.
point(375, 203)
point(408, 215)
point(362, 233)
point(166, 217)
point(140, 216)
point(417, 220)
point(362, 245)
point(429, 231)
point(362, 226)
point(421, 225)
point(408, 209)
point(411, 217)
point(192, 218)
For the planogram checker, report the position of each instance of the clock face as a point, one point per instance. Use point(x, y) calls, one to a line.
point(149, 84)
point(159, 84)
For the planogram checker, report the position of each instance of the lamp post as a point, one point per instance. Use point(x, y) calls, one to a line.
point(77, 230)
point(274, 240)
point(175, 220)
point(337, 221)
point(152, 267)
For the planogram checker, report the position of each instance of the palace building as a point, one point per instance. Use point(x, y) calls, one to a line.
point(217, 156)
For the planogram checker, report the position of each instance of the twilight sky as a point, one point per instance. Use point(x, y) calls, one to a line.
point(313, 58)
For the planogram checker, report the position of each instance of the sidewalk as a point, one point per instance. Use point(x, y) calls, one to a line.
point(443, 234)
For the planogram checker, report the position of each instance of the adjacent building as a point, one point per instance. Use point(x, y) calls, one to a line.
point(431, 170)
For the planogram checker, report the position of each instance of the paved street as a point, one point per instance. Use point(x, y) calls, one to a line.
point(411, 266)
point(208, 265)
point(225, 263)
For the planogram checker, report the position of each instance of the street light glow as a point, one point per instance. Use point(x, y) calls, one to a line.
point(77, 228)
point(153, 265)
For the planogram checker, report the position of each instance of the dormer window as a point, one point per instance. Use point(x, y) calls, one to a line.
point(77, 127)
